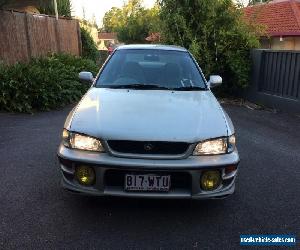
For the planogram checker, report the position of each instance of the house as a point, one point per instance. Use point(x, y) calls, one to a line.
point(153, 37)
point(107, 38)
point(280, 20)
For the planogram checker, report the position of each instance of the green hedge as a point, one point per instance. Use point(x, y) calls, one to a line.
point(89, 47)
point(43, 84)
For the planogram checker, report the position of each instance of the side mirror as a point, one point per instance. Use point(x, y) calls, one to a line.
point(85, 76)
point(214, 81)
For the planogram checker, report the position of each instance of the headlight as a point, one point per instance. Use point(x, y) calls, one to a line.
point(215, 146)
point(79, 141)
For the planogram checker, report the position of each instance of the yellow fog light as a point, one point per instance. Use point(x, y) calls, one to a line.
point(210, 180)
point(85, 175)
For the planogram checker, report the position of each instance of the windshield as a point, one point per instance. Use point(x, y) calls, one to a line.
point(161, 69)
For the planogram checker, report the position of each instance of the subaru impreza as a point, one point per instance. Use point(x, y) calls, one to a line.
point(149, 126)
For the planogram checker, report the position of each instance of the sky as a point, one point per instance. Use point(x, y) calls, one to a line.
point(98, 8)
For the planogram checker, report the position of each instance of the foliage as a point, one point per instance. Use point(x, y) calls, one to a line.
point(245, 3)
point(3, 2)
point(253, 2)
point(63, 7)
point(89, 24)
point(113, 19)
point(214, 32)
point(43, 83)
point(89, 47)
point(133, 22)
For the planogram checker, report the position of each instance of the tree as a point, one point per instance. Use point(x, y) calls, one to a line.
point(253, 2)
point(44, 6)
point(135, 29)
point(3, 2)
point(153, 18)
point(213, 30)
point(63, 7)
point(89, 48)
point(132, 22)
point(113, 19)
point(245, 3)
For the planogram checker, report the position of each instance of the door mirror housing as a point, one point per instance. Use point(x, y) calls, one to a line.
point(214, 81)
point(85, 76)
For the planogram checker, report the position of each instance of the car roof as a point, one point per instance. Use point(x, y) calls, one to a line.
point(152, 46)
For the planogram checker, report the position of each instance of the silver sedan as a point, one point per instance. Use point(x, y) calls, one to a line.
point(149, 126)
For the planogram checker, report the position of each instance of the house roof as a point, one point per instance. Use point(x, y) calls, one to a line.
point(280, 17)
point(153, 37)
point(107, 35)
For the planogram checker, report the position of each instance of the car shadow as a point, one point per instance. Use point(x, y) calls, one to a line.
point(126, 206)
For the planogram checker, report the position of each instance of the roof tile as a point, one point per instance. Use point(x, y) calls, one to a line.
point(280, 17)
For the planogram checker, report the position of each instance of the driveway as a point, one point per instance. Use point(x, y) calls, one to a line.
point(37, 214)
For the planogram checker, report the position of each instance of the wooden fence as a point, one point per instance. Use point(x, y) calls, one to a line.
point(23, 36)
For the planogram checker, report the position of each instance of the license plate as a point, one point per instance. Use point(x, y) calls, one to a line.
point(147, 182)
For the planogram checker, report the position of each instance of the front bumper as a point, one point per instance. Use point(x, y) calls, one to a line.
point(187, 173)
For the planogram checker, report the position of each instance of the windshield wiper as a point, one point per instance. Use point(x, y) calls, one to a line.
point(136, 86)
point(189, 88)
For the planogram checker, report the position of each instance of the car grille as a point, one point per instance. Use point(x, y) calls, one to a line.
point(116, 178)
point(148, 147)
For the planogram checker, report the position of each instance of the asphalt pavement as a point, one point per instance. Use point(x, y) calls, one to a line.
point(35, 213)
